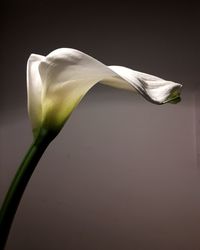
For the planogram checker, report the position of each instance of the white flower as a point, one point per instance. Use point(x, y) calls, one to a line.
point(57, 83)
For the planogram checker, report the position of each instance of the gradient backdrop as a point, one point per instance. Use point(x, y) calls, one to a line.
point(123, 173)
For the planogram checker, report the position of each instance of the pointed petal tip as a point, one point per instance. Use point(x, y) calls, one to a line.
point(35, 57)
point(175, 95)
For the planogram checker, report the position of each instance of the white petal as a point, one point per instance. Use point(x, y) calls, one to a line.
point(66, 64)
point(69, 64)
point(34, 89)
point(68, 74)
point(153, 88)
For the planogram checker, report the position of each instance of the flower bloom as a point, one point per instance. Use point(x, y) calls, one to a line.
point(57, 83)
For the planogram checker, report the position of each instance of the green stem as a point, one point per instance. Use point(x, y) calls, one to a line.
point(20, 181)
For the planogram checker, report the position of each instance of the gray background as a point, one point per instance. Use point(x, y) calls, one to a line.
point(123, 173)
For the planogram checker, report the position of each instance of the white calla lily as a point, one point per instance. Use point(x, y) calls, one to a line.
point(56, 84)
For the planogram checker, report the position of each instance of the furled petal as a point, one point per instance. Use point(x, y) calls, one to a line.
point(65, 75)
point(153, 88)
point(34, 90)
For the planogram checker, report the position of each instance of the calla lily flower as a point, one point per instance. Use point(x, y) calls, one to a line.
point(57, 83)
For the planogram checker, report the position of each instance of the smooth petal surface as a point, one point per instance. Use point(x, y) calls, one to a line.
point(65, 75)
point(34, 90)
